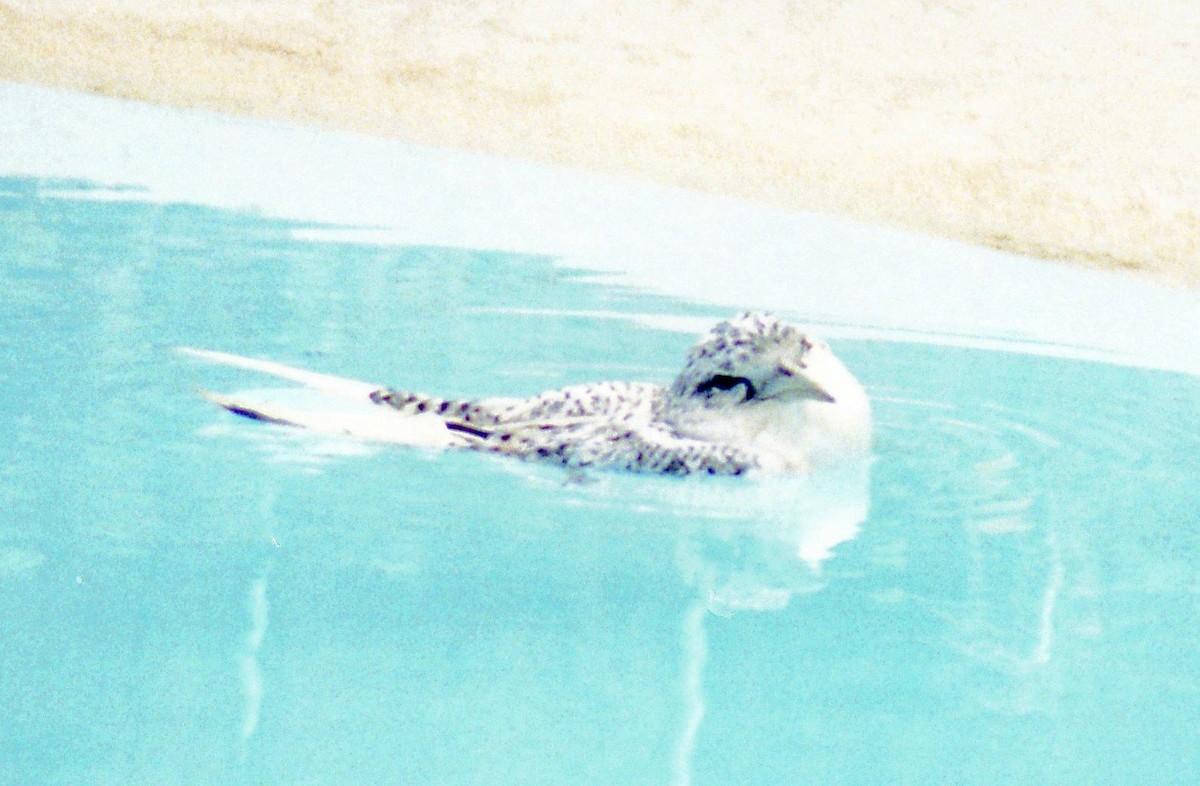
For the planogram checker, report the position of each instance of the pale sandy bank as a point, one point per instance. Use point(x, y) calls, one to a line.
point(1065, 130)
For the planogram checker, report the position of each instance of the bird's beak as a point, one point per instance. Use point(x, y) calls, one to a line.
point(799, 381)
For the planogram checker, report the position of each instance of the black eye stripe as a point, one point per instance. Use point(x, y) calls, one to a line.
point(726, 382)
point(721, 382)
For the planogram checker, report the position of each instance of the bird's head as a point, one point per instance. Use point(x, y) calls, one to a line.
point(765, 386)
point(754, 358)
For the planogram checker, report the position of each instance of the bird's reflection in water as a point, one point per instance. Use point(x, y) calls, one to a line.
point(752, 547)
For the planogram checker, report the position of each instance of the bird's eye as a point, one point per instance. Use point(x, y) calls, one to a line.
point(726, 382)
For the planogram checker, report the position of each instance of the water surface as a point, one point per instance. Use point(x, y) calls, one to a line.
point(1009, 594)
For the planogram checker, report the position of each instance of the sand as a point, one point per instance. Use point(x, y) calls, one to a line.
point(1069, 131)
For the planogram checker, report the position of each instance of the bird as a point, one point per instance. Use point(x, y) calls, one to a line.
point(756, 394)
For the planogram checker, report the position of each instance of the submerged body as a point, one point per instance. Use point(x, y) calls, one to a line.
point(755, 393)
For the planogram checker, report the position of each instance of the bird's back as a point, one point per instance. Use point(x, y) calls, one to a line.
point(626, 402)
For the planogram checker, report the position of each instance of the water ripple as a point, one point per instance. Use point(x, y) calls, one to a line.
point(1016, 505)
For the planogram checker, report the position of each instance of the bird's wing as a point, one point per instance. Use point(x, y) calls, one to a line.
point(573, 406)
point(635, 447)
point(606, 425)
point(338, 405)
point(364, 422)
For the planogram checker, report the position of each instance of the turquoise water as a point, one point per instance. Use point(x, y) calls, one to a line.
point(1011, 595)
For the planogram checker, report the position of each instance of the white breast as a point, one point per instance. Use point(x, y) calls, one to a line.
point(793, 434)
point(803, 436)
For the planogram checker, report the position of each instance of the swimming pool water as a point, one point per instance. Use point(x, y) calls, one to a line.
point(1011, 594)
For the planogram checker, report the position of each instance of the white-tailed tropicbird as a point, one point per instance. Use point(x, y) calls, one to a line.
point(755, 393)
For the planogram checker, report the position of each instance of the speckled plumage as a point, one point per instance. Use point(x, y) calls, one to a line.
point(755, 393)
point(747, 398)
